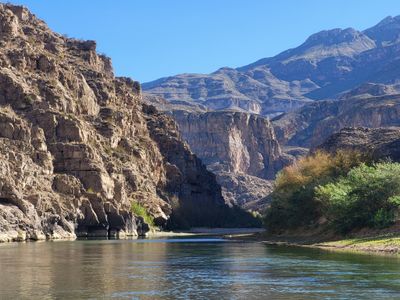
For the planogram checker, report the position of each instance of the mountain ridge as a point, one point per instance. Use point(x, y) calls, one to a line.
point(327, 63)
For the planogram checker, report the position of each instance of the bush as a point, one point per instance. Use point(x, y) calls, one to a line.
point(140, 211)
point(369, 196)
point(293, 200)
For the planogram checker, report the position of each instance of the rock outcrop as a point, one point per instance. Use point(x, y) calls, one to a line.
point(375, 143)
point(310, 125)
point(246, 191)
point(77, 145)
point(239, 148)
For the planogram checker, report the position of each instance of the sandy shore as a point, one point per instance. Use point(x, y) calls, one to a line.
point(383, 244)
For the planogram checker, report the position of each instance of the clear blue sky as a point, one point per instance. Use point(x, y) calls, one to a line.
point(148, 39)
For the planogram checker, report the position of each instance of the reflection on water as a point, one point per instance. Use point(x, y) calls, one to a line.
point(190, 269)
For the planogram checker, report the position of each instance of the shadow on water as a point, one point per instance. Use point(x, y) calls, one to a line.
point(195, 268)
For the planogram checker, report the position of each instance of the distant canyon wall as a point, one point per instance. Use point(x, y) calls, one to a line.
point(232, 141)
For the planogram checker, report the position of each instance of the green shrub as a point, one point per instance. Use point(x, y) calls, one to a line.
point(383, 218)
point(369, 196)
point(293, 200)
point(140, 211)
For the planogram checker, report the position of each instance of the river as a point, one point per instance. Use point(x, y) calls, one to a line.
point(195, 268)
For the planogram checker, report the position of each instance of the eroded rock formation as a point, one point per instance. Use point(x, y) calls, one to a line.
point(77, 145)
point(240, 148)
point(232, 141)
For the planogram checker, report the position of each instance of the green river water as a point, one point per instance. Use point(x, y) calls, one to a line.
point(198, 268)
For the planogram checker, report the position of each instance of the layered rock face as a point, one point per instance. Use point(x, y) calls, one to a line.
point(77, 146)
point(256, 91)
point(377, 143)
point(232, 141)
point(240, 148)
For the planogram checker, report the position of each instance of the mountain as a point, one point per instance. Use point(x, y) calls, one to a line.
point(326, 65)
point(337, 78)
point(78, 146)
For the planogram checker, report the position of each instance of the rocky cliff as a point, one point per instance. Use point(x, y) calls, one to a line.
point(240, 148)
point(232, 141)
point(77, 145)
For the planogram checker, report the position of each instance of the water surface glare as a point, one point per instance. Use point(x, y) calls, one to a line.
point(195, 268)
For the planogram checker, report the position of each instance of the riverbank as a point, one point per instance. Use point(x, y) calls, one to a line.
point(387, 243)
point(378, 244)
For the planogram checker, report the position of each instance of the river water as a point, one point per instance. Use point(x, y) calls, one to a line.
point(191, 269)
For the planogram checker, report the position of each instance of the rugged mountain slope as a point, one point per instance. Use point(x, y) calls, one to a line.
point(77, 145)
point(324, 66)
point(239, 148)
point(244, 151)
point(230, 89)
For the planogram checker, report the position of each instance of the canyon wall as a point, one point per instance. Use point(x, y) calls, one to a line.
point(78, 146)
point(240, 148)
point(232, 141)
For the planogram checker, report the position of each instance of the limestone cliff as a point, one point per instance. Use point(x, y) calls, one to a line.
point(232, 141)
point(77, 146)
point(240, 148)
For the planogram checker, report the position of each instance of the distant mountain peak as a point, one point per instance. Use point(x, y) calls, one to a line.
point(389, 20)
point(386, 31)
point(320, 45)
point(333, 36)
point(328, 64)
point(224, 70)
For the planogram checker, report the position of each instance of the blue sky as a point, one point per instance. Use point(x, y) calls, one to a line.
point(149, 39)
